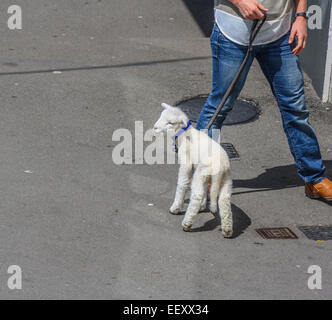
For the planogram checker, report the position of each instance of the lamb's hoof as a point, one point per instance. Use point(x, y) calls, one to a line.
point(213, 208)
point(227, 233)
point(174, 211)
point(186, 227)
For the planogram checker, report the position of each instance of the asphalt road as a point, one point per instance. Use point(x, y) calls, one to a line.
point(81, 227)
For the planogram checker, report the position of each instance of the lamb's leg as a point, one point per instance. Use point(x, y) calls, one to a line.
point(204, 201)
point(225, 206)
point(185, 174)
point(214, 192)
point(196, 198)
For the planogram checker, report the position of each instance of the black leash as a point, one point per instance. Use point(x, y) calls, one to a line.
point(256, 27)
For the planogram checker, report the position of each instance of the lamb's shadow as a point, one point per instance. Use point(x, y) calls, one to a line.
point(240, 222)
point(276, 178)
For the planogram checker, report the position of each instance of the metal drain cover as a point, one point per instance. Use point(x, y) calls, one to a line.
point(317, 232)
point(243, 111)
point(276, 233)
point(230, 150)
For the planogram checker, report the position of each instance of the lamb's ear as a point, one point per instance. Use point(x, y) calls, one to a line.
point(166, 106)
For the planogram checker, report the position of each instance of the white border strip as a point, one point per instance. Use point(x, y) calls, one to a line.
point(328, 68)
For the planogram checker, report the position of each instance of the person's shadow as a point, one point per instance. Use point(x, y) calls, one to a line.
point(276, 178)
point(202, 12)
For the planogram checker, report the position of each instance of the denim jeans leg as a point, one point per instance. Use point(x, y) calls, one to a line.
point(227, 59)
point(282, 69)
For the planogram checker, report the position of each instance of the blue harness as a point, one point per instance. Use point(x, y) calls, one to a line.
point(178, 134)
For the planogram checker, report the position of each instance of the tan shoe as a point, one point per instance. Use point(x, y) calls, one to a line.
point(321, 190)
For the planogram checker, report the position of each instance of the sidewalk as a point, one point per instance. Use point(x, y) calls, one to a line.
point(82, 227)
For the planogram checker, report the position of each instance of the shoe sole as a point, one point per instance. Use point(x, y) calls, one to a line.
point(317, 197)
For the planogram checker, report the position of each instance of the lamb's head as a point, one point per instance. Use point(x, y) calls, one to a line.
point(171, 119)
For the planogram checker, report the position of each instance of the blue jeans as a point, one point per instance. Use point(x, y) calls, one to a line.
point(282, 69)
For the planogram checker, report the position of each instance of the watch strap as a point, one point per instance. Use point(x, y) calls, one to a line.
point(302, 14)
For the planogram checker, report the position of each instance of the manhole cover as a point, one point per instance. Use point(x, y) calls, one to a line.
point(230, 150)
point(276, 233)
point(317, 232)
point(243, 111)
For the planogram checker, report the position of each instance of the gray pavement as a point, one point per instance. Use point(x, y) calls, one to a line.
point(81, 227)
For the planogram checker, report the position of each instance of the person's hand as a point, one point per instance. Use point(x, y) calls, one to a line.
point(250, 9)
point(299, 30)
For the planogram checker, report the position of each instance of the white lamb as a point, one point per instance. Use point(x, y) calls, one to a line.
point(207, 161)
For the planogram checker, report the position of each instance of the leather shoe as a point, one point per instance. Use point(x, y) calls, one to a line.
point(321, 190)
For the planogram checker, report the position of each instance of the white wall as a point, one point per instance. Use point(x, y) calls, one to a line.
point(317, 57)
point(328, 84)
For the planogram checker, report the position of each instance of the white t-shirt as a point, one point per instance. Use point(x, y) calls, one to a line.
point(238, 30)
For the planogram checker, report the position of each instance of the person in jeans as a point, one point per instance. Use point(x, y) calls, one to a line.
point(277, 52)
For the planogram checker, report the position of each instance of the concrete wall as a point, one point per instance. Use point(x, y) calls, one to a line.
point(329, 60)
point(317, 57)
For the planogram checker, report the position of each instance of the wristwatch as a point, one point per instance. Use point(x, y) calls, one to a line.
point(302, 14)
